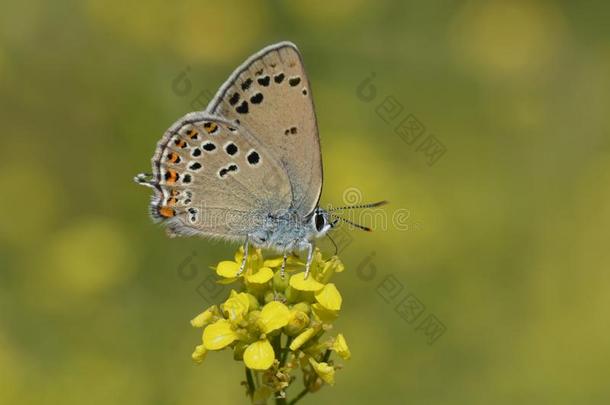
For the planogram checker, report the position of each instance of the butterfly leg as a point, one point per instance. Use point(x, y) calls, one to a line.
point(243, 260)
point(282, 270)
point(309, 258)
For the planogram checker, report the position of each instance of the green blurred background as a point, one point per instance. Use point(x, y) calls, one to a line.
point(508, 238)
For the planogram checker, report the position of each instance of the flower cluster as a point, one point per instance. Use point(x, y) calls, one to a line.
point(276, 325)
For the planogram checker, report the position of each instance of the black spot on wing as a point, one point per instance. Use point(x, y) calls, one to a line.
point(264, 81)
point(209, 146)
point(257, 98)
point(246, 84)
point(231, 149)
point(253, 157)
point(293, 81)
point(278, 78)
point(242, 108)
point(234, 98)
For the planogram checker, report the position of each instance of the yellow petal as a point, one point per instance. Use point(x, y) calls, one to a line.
point(259, 355)
point(203, 318)
point(227, 269)
point(199, 354)
point(236, 307)
point(336, 264)
point(302, 338)
point(218, 335)
point(254, 304)
point(340, 347)
point(263, 275)
point(323, 314)
point(329, 268)
point(254, 260)
point(298, 282)
point(239, 254)
point(329, 297)
point(274, 315)
point(324, 371)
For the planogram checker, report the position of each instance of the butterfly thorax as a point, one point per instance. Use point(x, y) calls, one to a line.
point(285, 231)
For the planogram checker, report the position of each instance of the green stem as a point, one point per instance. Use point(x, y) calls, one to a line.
point(277, 345)
point(280, 401)
point(250, 381)
point(286, 351)
point(326, 356)
point(298, 397)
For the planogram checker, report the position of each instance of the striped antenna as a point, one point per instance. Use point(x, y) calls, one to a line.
point(353, 207)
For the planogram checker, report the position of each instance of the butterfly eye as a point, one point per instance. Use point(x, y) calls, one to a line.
point(320, 222)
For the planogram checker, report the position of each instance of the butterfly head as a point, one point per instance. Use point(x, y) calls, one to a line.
point(321, 222)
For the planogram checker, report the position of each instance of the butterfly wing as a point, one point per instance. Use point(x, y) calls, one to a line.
point(270, 95)
point(210, 178)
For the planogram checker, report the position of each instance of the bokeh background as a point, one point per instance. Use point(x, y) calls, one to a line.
point(507, 236)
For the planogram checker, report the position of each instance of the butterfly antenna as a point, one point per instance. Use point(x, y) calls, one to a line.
point(352, 207)
point(364, 228)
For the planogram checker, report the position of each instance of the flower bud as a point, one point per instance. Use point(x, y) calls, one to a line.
point(302, 306)
point(269, 296)
point(298, 321)
point(254, 304)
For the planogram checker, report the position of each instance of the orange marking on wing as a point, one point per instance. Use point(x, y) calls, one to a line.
point(173, 176)
point(172, 201)
point(166, 212)
point(211, 127)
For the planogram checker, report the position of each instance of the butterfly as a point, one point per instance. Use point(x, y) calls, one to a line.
point(248, 168)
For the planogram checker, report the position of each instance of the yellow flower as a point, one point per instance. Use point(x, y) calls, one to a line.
point(329, 297)
point(275, 325)
point(299, 282)
point(263, 275)
point(227, 269)
point(236, 306)
point(259, 355)
point(324, 371)
point(340, 347)
point(204, 318)
point(256, 270)
point(274, 315)
point(302, 338)
point(292, 263)
point(219, 335)
point(328, 269)
point(199, 354)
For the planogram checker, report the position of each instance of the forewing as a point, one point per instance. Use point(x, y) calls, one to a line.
point(270, 95)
